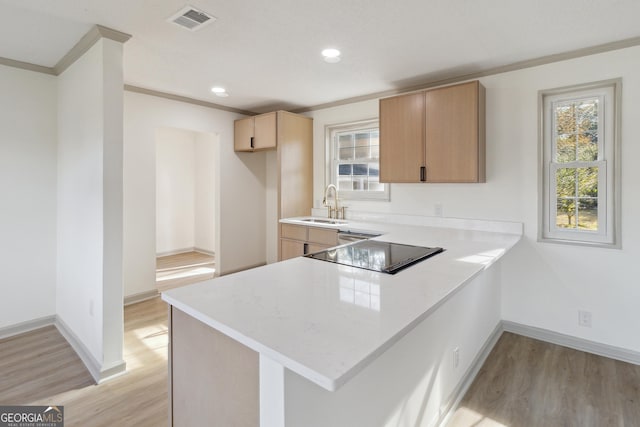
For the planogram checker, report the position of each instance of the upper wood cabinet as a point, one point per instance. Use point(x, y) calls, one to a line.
point(401, 138)
point(256, 133)
point(437, 135)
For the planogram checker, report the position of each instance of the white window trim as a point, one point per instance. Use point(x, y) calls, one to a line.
point(331, 162)
point(608, 162)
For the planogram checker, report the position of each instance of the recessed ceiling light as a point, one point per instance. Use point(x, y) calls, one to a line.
point(220, 91)
point(331, 55)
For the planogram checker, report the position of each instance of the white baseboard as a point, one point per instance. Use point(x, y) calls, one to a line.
point(98, 372)
point(545, 335)
point(141, 296)
point(183, 250)
point(454, 400)
point(575, 343)
point(174, 252)
point(28, 326)
point(205, 251)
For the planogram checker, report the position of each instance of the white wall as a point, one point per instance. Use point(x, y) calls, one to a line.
point(271, 208)
point(89, 216)
point(544, 284)
point(411, 383)
point(175, 190)
point(27, 195)
point(240, 181)
point(185, 191)
point(205, 190)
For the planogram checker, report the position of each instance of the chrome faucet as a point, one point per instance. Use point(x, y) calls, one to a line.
point(334, 212)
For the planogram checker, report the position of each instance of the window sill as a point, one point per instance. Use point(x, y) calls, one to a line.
point(602, 245)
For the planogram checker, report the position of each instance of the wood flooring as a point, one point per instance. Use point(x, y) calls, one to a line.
point(183, 269)
point(40, 368)
point(523, 383)
point(530, 383)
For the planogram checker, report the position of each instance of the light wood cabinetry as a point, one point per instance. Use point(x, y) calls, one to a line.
point(401, 138)
point(322, 236)
point(287, 142)
point(437, 135)
point(294, 176)
point(212, 376)
point(242, 134)
point(256, 133)
point(293, 232)
point(298, 240)
point(294, 165)
point(292, 249)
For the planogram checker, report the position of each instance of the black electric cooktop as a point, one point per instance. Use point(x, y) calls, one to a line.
point(375, 255)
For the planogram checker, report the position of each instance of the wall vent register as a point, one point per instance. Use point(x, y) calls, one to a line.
point(375, 255)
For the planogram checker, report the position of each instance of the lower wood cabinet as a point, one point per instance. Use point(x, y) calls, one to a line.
point(291, 248)
point(298, 240)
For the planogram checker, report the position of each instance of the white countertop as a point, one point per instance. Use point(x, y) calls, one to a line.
point(326, 321)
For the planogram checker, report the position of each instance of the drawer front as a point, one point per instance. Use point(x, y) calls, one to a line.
point(323, 236)
point(295, 232)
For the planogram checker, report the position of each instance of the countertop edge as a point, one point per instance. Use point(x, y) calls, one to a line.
point(328, 383)
point(304, 371)
point(258, 347)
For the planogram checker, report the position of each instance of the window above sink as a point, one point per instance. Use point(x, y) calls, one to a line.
point(353, 164)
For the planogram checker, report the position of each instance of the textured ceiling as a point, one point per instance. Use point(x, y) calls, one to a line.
point(267, 54)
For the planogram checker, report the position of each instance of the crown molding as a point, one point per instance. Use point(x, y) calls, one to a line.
point(578, 53)
point(27, 66)
point(186, 99)
point(96, 33)
point(111, 34)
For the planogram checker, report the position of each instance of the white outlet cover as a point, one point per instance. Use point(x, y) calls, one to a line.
point(437, 209)
point(584, 318)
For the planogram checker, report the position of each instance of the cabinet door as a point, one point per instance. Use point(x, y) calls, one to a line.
point(242, 134)
point(452, 134)
point(264, 134)
point(295, 165)
point(401, 138)
point(291, 249)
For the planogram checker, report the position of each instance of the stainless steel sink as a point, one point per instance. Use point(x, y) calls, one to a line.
point(324, 221)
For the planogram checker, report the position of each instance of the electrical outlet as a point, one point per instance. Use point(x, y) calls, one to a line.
point(456, 357)
point(91, 308)
point(437, 209)
point(584, 318)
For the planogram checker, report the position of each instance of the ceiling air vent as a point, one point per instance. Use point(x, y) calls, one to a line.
point(191, 18)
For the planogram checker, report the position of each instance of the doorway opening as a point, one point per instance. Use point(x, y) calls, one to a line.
point(185, 207)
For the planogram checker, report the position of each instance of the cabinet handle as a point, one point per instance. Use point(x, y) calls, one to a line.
point(423, 173)
point(251, 142)
point(305, 248)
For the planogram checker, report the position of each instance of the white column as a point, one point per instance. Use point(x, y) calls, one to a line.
point(271, 393)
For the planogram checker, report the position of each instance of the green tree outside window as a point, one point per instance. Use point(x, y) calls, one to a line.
point(576, 137)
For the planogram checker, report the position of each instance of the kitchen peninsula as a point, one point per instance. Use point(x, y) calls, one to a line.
point(307, 342)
